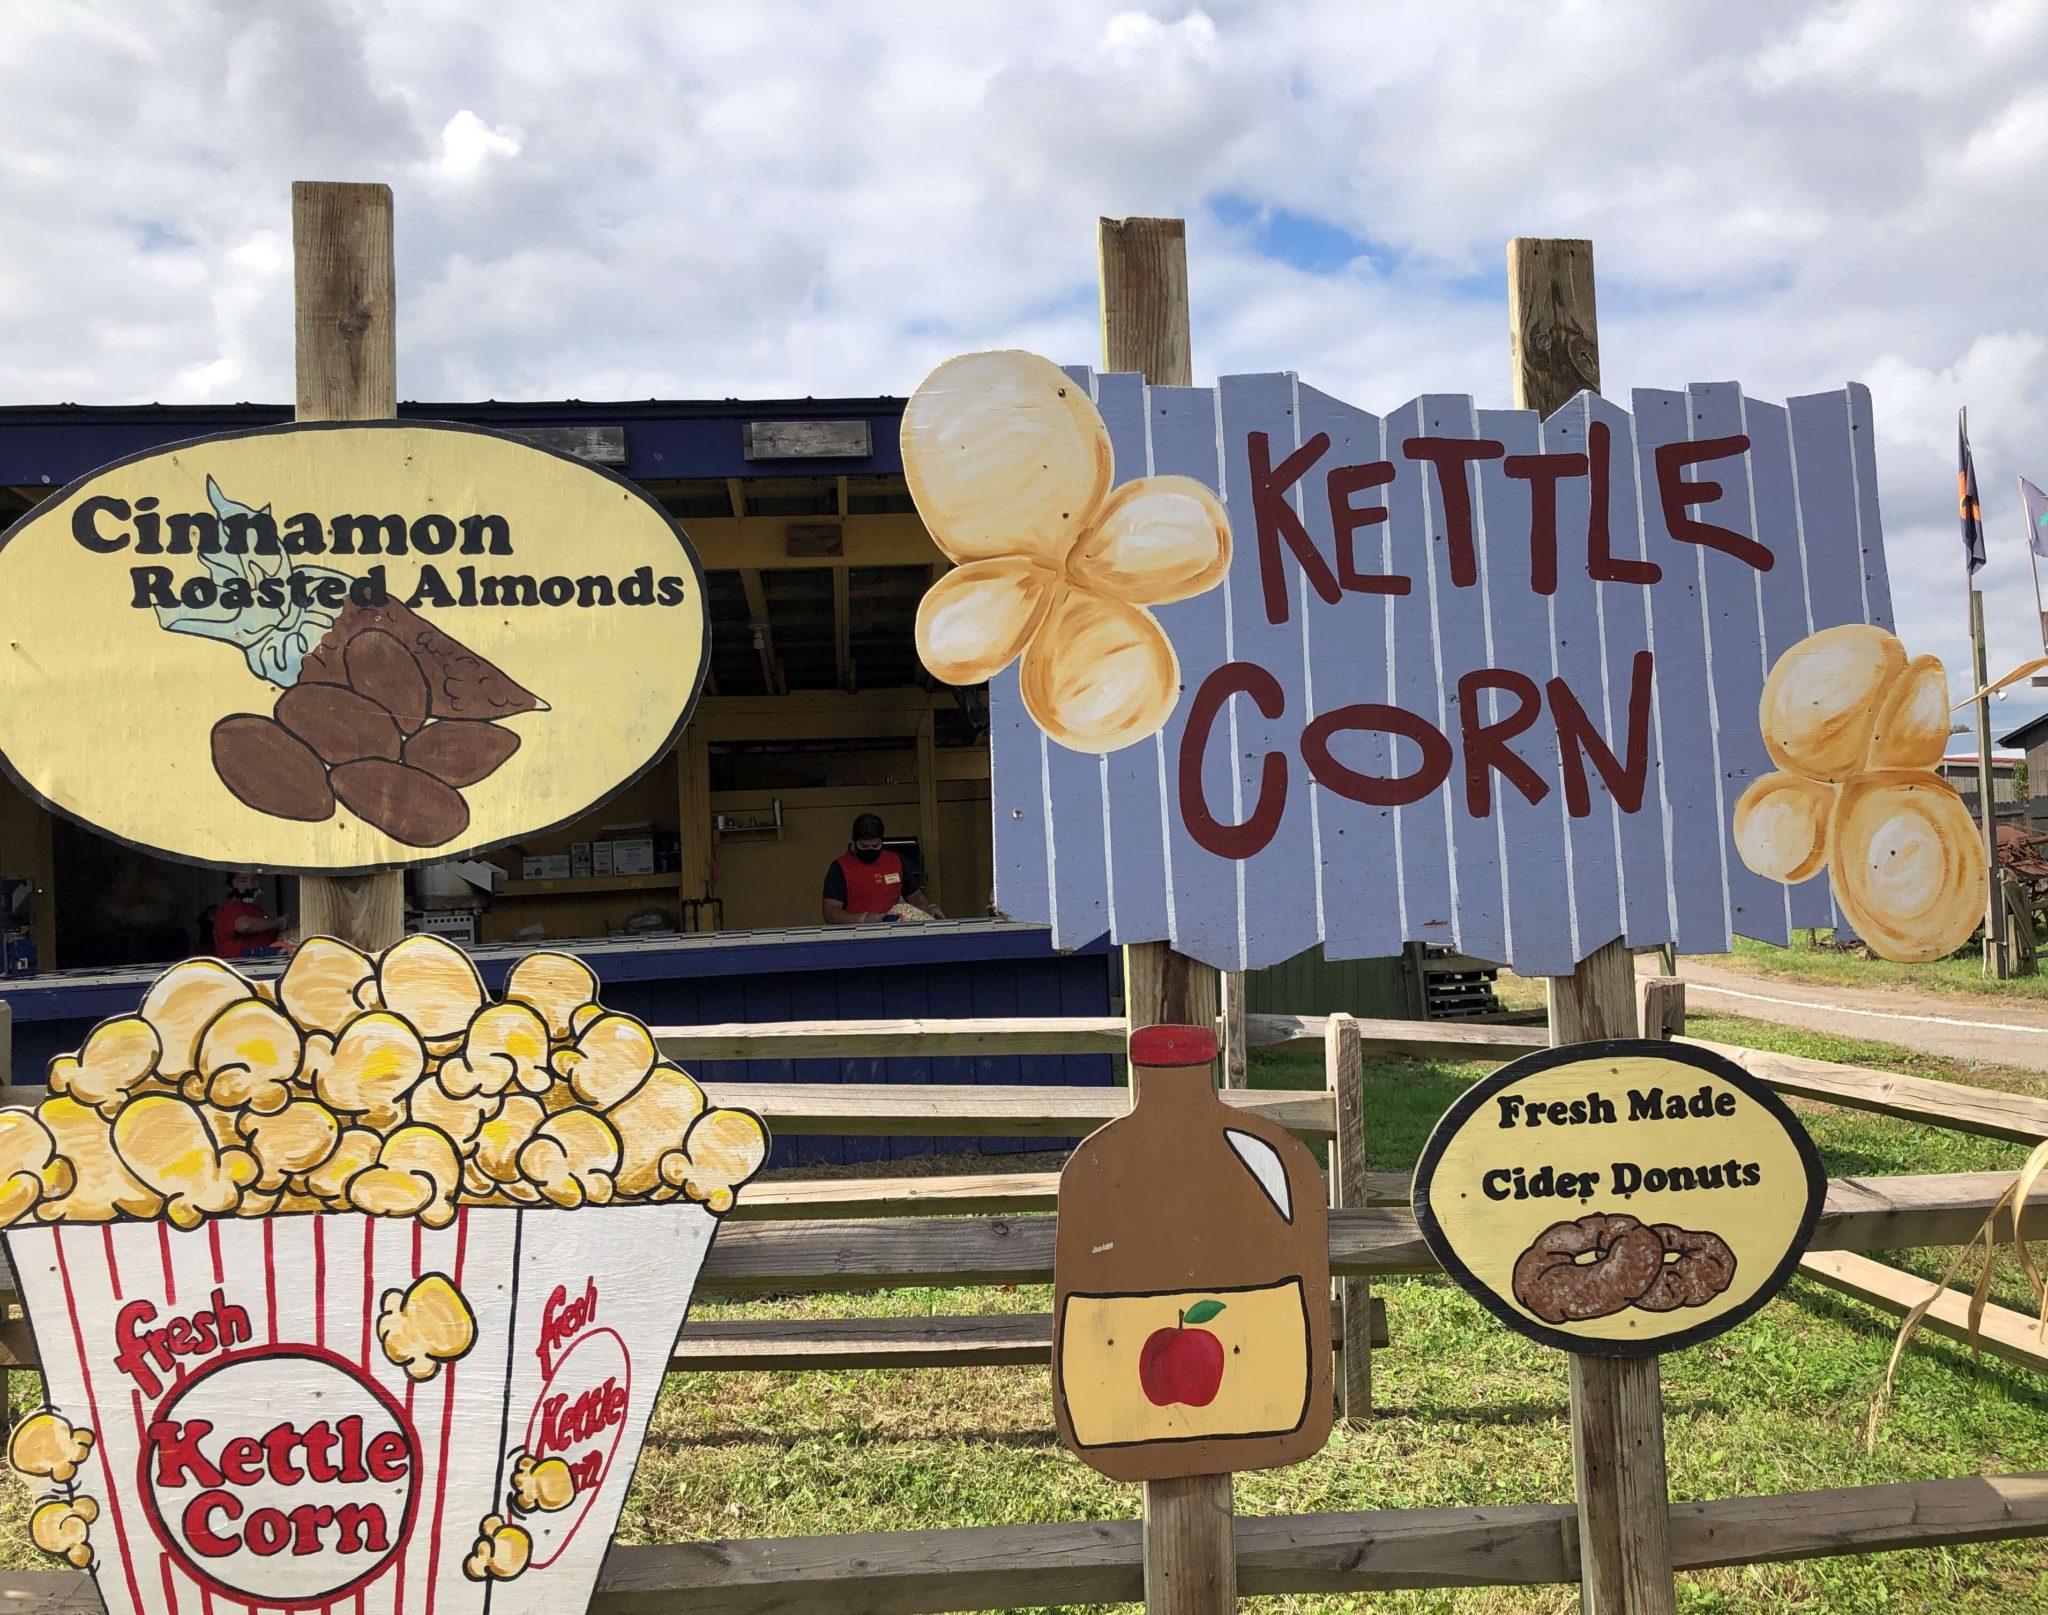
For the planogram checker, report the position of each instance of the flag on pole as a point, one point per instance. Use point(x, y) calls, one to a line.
point(1966, 495)
point(2036, 504)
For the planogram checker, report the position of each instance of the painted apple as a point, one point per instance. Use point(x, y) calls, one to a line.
point(1183, 1364)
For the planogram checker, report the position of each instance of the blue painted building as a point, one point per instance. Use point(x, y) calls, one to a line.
point(815, 709)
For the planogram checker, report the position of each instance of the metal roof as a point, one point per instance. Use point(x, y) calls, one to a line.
point(48, 445)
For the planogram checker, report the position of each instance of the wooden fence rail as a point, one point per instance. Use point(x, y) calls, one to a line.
point(1076, 1034)
point(995, 1567)
point(851, 1234)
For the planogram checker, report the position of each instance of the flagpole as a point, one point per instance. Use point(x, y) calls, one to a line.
point(1994, 908)
point(1973, 540)
point(2034, 562)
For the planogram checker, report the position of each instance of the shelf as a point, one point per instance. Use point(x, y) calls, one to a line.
point(578, 885)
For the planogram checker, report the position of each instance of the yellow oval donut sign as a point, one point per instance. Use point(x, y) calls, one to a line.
point(1621, 1197)
point(343, 647)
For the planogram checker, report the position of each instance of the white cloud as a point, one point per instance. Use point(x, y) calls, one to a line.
point(788, 198)
point(467, 143)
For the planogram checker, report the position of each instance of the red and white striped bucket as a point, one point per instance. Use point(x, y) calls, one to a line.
point(256, 1448)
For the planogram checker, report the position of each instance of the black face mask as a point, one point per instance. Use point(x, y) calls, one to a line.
point(867, 855)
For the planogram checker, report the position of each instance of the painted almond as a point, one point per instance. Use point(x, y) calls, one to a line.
point(461, 751)
point(460, 683)
point(407, 804)
point(264, 765)
point(381, 668)
point(342, 726)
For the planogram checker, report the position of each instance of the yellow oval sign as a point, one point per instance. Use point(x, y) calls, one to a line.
point(343, 647)
point(1621, 1197)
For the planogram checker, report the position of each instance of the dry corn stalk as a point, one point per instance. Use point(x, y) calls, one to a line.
point(2015, 1199)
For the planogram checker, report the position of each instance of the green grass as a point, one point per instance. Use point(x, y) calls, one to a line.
point(1468, 1414)
point(1961, 976)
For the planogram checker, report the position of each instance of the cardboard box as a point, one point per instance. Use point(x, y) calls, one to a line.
point(579, 858)
point(548, 866)
point(601, 858)
point(633, 855)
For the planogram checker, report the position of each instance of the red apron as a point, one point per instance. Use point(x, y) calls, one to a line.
point(872, 888)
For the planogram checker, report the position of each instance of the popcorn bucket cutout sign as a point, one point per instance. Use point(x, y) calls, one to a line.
point(346, 1296)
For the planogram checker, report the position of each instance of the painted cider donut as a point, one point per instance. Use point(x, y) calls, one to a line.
point(1553, 1282)
point(1697, 1266)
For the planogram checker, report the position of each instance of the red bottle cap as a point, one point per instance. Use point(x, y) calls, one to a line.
point(1173, 1045)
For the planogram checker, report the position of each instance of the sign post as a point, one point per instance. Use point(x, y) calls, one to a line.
point(337, 649)
point(1547, 684)
point(1617, 1402)
point(1190, 1532)
point(345, 310)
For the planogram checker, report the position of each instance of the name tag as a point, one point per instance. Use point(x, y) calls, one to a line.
point(892, 880)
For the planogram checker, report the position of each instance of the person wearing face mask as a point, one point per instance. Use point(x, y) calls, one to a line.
point(242, 924)
point(865, 883)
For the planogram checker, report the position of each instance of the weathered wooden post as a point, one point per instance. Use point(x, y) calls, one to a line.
point(1344, 1072)
point(1617, 1406)
point(1190, 1548)
point(345, 298)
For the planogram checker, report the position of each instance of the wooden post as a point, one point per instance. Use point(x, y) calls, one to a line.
point(1344, 1071)
point(1190, 1537)
point(1617, 1403)
point(928, 807)
point(1236, 1056)
point(1660, 1003)
point(345, 300)
point(693, 812)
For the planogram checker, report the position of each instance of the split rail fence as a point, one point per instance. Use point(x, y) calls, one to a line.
point(852, 1234)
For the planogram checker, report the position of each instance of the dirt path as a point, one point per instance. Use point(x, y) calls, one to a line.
point(2005, 1032)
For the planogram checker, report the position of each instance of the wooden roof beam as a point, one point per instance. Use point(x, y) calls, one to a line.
point(762, 629)
point(842, 620)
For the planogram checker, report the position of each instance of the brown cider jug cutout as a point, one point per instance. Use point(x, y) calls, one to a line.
point(1191, 1279)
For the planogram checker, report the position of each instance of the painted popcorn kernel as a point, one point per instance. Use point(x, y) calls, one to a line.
point(1821, 700)
point(60, 1528)
point(543, 1100)
point(1908, 864)
point(542, 1486)
point(179, 1005)
point(431, 983)
point(248, 1056)
point(166, 1143)
point(118, 1056)
point(724, 1149)
point(555, 984)
point(612, 1056)
point(1781, 826)
point(48, 1446)
point(1010, 465)
point(425, 1326)
point(369, 1069)
point(327, 984)
point(500, 1553)
point(1857, 728)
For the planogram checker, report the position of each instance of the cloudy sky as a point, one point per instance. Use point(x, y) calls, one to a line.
point(764, 199)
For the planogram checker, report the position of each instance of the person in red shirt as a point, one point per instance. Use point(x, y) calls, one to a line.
point(242, 923)
point(862, 885)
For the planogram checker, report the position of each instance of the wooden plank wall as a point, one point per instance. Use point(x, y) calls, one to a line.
point(1370, 878)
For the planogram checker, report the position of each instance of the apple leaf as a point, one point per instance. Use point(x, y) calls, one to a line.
point(1202, 1311)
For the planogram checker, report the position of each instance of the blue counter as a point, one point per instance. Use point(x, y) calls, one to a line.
point(951, 969)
